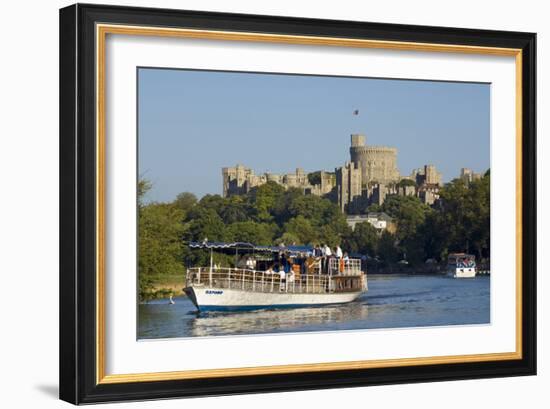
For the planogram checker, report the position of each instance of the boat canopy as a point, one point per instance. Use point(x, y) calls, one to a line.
point(231, 248)
point(461, 255)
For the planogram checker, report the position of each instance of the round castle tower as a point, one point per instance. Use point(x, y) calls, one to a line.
point(377, 163)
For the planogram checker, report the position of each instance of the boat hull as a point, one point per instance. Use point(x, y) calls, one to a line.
point(462, 272)
point(223, 299)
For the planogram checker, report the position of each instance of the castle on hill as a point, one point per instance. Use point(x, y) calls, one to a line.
point(367, 178)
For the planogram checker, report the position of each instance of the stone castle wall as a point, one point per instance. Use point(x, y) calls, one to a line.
point(240, 180)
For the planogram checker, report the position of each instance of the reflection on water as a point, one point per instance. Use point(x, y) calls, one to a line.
point(391, 302)
point(281, 320)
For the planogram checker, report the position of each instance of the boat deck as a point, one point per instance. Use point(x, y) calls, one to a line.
point(260, 281)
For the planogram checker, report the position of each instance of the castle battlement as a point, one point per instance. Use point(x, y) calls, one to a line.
point(373, 148)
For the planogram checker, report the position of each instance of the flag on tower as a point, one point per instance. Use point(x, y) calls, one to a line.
point(356, 112)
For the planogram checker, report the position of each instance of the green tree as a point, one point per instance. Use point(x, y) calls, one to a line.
point(406, 182)
point(465, 216)
point(281, 210)
point(409, 212)
point(142, 188)
point(331, 235)
point(387, 248)
point(430, 240)
point(479, 237)
point(453, 213)
point(264, 198)
point(317, 210)
point(212, 202)
point(363, 239)
point(374, 208)
point(185, 201)
point(301, 228)
point(287, 239)
point(252, 232)
point(205, 223)
point(160, 246)
point(314, 178)
point(235, 210)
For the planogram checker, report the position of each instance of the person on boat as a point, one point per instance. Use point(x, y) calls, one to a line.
point(310, 265)
point(338, 255)
point(250, 264)
point(285, 265)
point(290, 278)
point(314, 260)
point(317, 251)
point(302, 264)
point(282, 276)
point(326, 257)
point(243, 262)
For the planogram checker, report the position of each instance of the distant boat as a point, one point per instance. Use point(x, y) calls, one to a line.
point(461, 265)
point(171, 301)
point(255, 284)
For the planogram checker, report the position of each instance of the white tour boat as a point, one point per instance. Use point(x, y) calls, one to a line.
point(461, 265)
point(257, 283)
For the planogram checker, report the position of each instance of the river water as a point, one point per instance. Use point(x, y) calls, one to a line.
point(393, 301)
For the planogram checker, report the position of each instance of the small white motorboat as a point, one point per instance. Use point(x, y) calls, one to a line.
point(461, 265)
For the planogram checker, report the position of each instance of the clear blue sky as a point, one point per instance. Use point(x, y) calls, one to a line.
point(193, 123)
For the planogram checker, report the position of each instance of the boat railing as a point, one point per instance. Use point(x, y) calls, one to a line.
point(342, 266)
point(262, 281)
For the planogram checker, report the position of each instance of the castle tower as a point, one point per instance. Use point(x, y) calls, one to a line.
point(377, 163)
point(348, 181)
point(433, 177)
point(358, 140)
point(234, 180)
point(301, 177)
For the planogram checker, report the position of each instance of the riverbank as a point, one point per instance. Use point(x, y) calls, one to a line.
point(422, 269)
point(427, 269)
point(166, 286)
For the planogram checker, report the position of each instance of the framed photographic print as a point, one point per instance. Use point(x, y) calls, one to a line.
point(257, 203)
